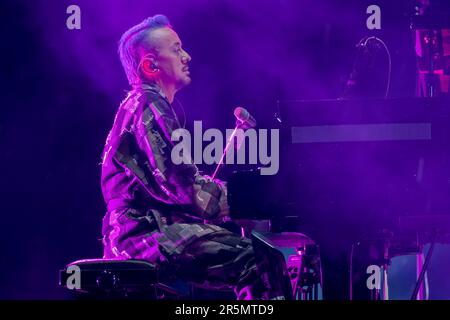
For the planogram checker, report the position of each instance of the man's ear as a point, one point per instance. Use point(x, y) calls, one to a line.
point(149, 65)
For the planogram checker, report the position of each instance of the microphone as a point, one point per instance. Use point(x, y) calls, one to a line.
point(244, 118)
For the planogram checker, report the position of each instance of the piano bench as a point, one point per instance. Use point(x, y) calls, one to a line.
point(104, 279)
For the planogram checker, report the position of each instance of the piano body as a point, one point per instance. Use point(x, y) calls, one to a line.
point(349, 170)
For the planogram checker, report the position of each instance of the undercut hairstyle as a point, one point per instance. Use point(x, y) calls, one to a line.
point(131, 42)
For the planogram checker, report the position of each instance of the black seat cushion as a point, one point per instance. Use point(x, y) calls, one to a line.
point(109, 275)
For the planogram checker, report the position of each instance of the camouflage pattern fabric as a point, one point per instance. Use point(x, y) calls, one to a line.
point(156, 209)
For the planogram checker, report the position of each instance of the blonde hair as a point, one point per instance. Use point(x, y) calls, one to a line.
point(130, 42)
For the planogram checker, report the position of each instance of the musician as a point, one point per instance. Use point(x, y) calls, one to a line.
point(155, 209)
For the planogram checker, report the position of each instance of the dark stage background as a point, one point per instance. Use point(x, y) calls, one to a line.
point(61, 88)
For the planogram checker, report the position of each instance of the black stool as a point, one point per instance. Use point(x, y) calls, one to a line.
point(117, 279)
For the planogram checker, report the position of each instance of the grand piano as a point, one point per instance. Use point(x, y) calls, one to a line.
point(353, 170)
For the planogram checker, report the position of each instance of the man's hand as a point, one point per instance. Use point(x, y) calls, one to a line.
point(211, 195)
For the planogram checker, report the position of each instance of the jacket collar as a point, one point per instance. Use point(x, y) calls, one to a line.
point(151, 87)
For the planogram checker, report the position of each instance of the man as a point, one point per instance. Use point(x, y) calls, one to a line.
point(155, 208)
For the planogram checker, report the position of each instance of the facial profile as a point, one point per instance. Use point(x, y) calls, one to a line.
point(168, 62)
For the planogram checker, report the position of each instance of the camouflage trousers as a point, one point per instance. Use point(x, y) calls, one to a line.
point(207, 255)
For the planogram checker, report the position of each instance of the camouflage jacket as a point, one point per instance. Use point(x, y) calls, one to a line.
point(137, 171)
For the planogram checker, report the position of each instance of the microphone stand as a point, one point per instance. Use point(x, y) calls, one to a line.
point(239, 125)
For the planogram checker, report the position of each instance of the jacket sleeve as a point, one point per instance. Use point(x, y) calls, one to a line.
point(180, 184)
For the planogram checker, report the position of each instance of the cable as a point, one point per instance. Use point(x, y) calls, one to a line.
point(388, 84)
point(351, 271)
point(427, 287)
point(183, 111)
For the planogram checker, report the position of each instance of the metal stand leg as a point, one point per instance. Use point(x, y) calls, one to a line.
point(415, 295)
point(419, 266)
point(385, 290)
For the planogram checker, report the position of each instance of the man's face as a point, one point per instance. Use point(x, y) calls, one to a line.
point(172, 61)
